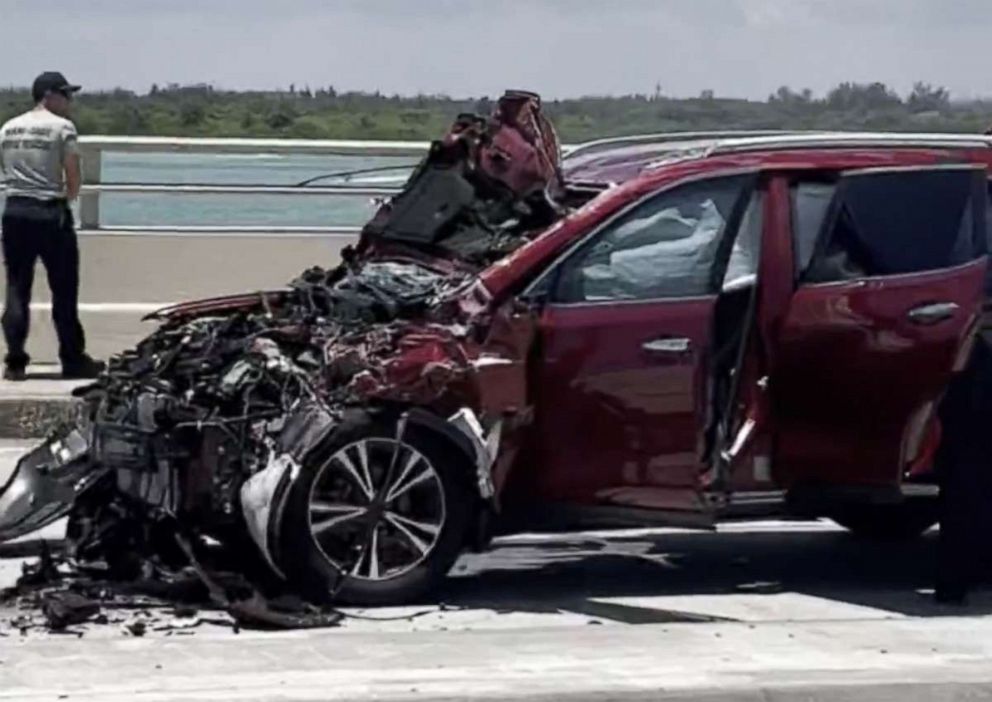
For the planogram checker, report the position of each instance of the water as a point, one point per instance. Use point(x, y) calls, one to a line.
point(119, 209)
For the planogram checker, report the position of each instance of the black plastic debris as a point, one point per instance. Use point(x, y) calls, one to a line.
point(249, 608)
point(185, 612)
point(44, 571)
point(65, 609)
point(258, 612)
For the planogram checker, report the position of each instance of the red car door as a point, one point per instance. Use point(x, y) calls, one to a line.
point(621, 382)
point(890, 271)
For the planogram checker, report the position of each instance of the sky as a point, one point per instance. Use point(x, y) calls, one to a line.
point(470, 48)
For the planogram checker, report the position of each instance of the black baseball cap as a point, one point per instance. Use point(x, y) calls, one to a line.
point(52, 82)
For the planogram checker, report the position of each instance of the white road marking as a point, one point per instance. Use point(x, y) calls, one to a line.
point(108, 307)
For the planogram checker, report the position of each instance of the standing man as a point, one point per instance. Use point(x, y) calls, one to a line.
point(39, 160)
point(965, 470)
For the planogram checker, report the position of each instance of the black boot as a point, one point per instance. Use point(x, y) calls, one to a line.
point(14, 373)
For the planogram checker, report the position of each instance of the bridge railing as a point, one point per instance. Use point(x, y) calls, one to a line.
point(93, 148)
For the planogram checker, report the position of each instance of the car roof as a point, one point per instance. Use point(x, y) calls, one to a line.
point(610, 161)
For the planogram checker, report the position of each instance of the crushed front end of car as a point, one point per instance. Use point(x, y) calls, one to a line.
point(334, 435)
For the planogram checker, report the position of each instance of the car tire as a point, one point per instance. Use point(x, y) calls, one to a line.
point(898, 522)
point(315, 559)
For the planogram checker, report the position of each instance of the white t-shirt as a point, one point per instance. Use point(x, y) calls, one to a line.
point(33, 149)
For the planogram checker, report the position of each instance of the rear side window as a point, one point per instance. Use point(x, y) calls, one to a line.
point(896, 222)
point(810, 203)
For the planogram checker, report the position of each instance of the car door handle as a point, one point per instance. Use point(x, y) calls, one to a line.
point(667, 345)
point(932, 313)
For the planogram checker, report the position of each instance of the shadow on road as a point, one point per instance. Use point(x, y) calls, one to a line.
point(44, 374)
point(564, 572)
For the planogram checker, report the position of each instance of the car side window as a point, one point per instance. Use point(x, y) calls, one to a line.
point(745, 251)
point(810, 202)
point(896, 222)
point(673, 245)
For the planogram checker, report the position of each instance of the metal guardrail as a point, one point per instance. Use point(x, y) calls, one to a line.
point(226, 145)
point(209, 189)
point(92, 149)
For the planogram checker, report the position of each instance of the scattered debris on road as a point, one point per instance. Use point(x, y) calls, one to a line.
point(64, 609)
point(57, 593)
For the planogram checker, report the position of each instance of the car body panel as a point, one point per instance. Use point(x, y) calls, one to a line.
point(617, 423)
point(851, 371)
point(855, 382)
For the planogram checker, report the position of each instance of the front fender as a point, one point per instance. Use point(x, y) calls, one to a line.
point(46, 483)
point(464, 432)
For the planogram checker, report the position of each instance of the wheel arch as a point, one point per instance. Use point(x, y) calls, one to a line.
point(426, 432)
point(456, 439)
point(453, 438)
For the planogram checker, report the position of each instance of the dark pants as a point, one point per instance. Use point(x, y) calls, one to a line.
point(965, 469)
point(33, 230)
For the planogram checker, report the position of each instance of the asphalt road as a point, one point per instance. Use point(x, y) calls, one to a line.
point(756, 611)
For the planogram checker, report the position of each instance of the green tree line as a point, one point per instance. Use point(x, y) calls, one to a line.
point(324, 113)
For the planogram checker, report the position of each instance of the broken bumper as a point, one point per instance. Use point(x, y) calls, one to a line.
point(46, 484)
point(264, 495)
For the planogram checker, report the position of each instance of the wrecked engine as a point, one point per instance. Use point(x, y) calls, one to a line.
point(196, 431)
point(201, 404)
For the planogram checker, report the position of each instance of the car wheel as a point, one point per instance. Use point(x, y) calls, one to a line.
point(907, 520)
point(352, 533)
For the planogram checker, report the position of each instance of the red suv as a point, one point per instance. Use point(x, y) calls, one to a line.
point(727, 327)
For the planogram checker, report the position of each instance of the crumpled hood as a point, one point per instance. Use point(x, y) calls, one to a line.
point(225, 304)
point(373, 289)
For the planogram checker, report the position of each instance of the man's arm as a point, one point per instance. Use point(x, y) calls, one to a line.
point(73, 176)
point(70, 162)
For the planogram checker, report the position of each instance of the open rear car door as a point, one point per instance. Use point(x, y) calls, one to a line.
point(890, 266)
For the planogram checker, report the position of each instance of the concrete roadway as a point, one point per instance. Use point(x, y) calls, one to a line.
point(760, 611)
point(127, 276)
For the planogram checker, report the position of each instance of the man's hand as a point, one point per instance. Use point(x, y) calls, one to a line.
point(73, 176)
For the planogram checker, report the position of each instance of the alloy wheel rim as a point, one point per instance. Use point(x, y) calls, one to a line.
point(366, 528)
